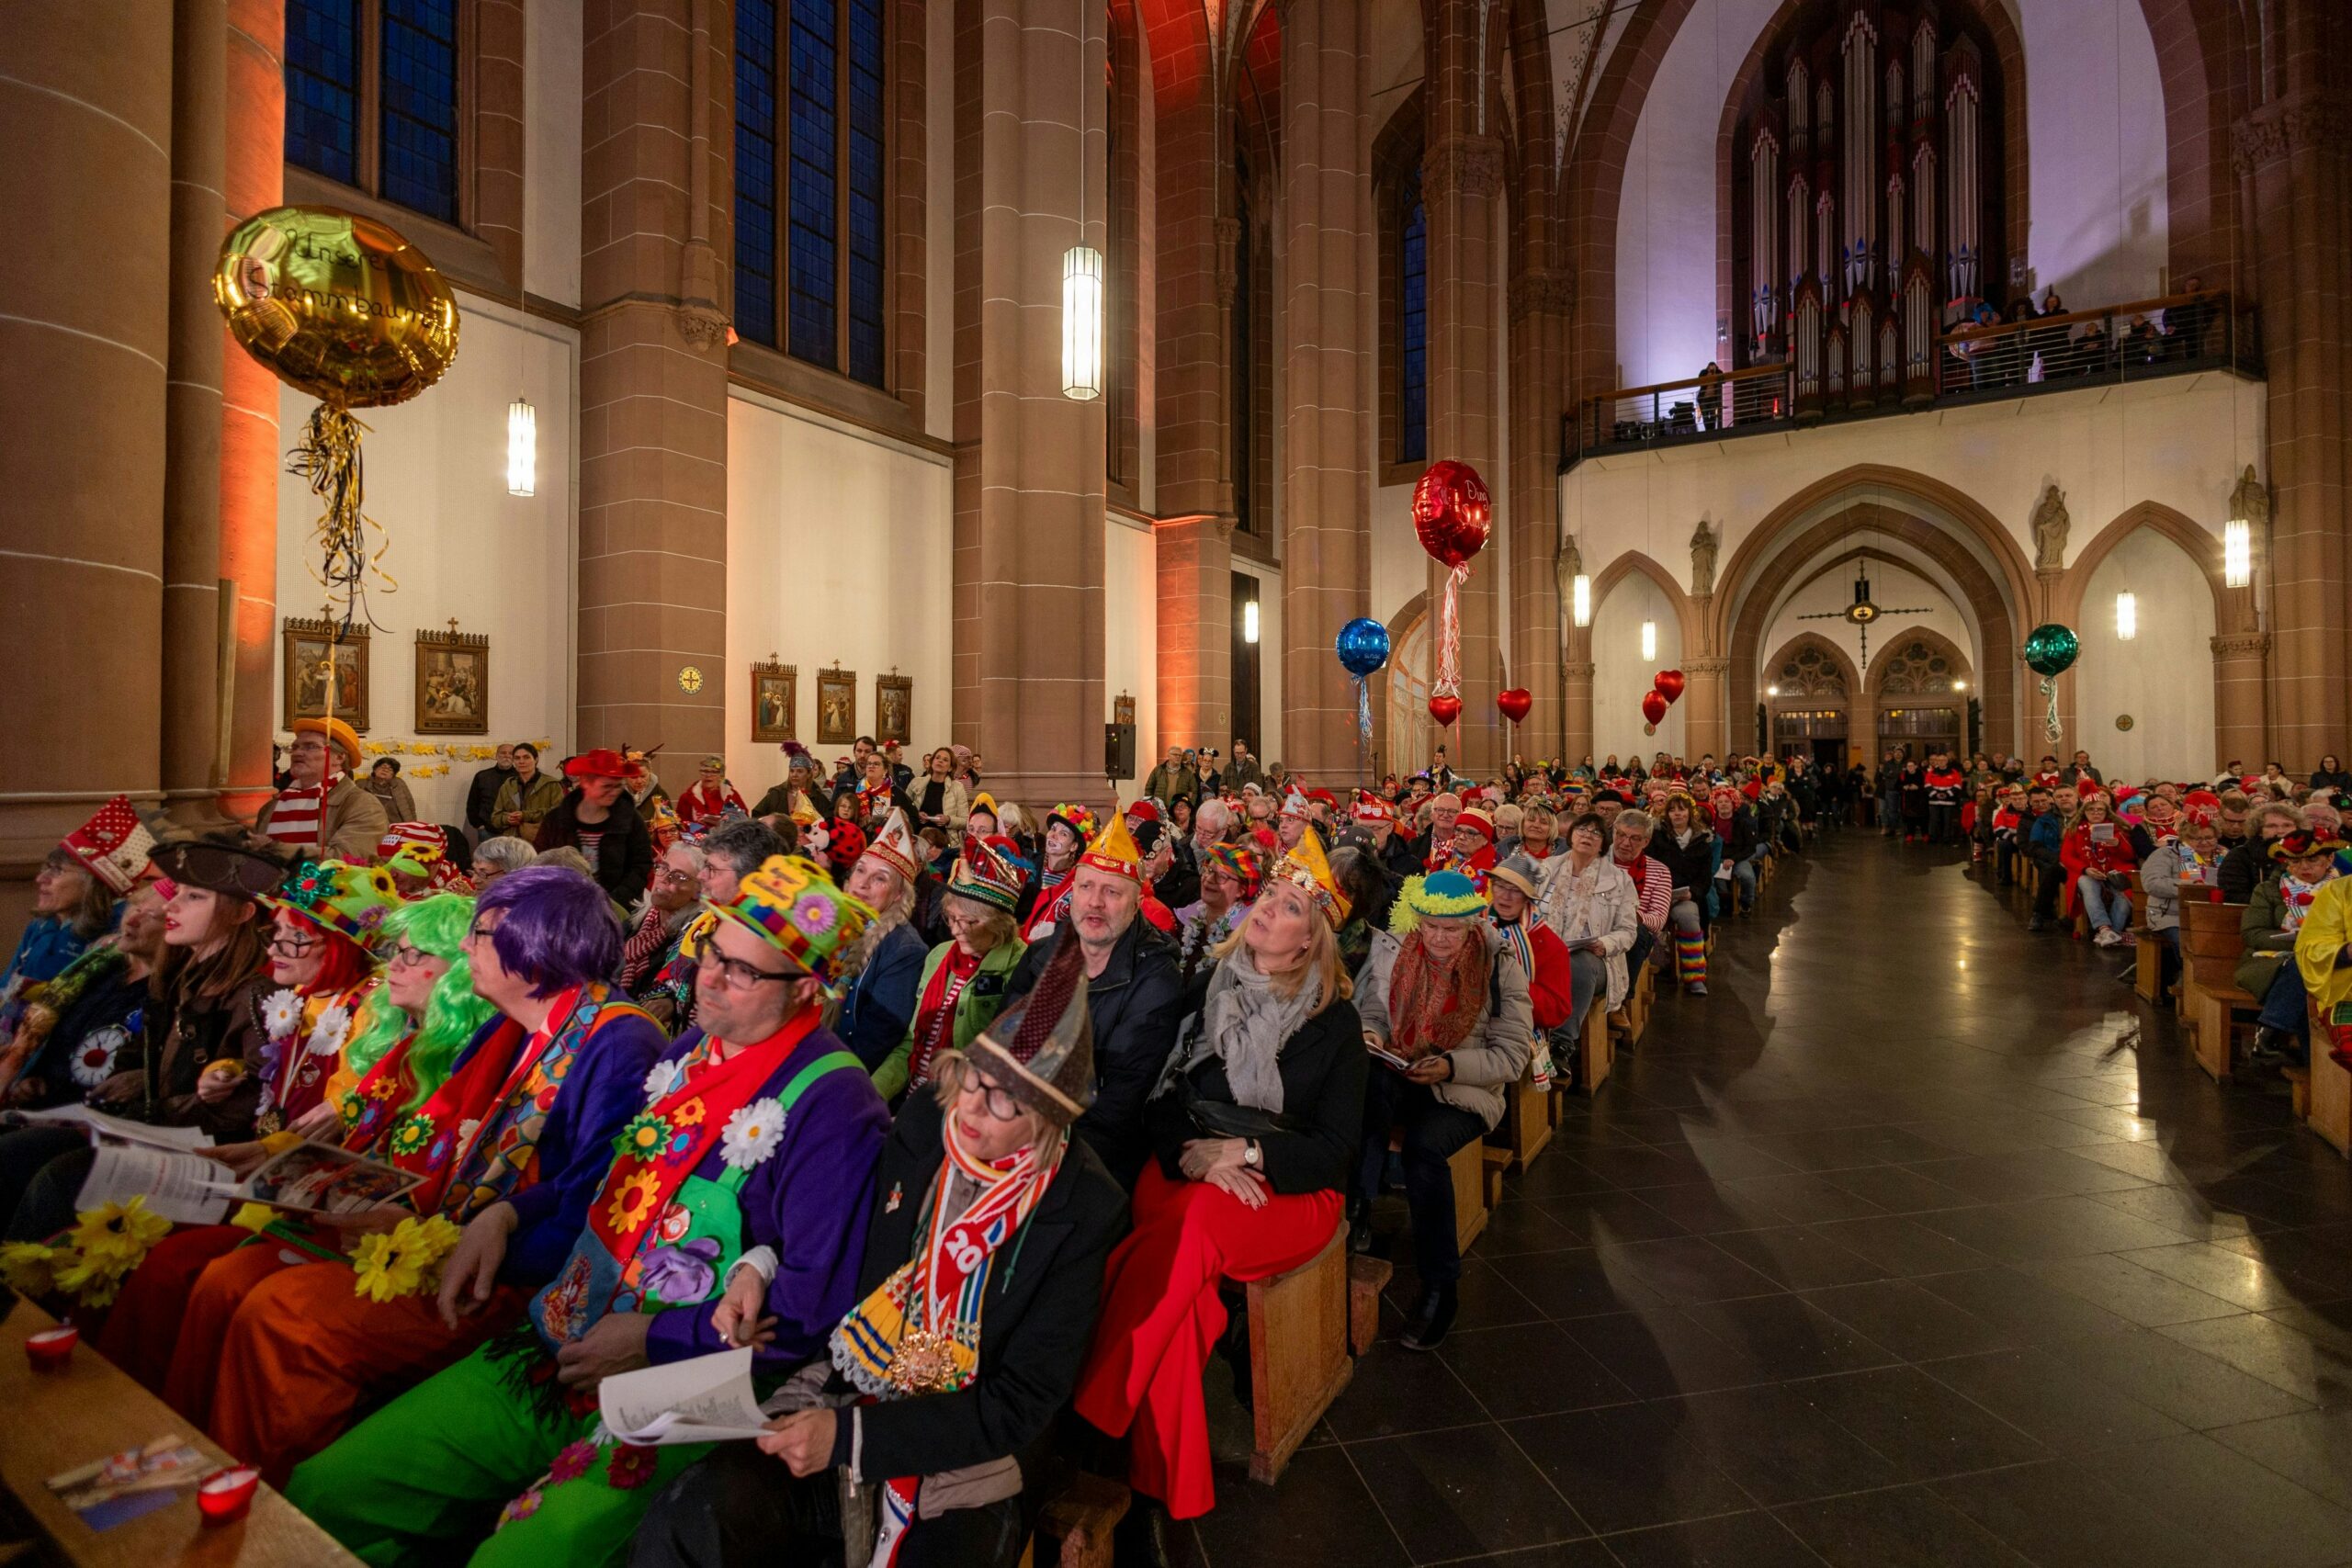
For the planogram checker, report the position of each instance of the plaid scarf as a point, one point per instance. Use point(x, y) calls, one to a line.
point(1432, 1009)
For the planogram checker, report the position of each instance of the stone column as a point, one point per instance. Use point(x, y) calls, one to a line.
point(2293, 159)
point(1709, 728)
point(189, 674)
point(1576, 693)
point(85, 111)
point(1195, 560)
point(653, 378)
point(1462, 187)
point(1327, 214)
point(253, 180)
point(2240, 666)
point(1540, 302)
point(1029, 466)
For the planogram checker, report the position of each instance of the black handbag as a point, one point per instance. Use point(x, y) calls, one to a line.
point(1222, 1119)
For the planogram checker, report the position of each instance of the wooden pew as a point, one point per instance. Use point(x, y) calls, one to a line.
point(1470, 1200)
point(90, 1409)
point(2209, 950)
point(2148, 948)
point(1597, 1050)
point(1526, 1126)
point(1298, 1352)
point(1632, 1020)
point(2323, 1088)
point(1076, 1524)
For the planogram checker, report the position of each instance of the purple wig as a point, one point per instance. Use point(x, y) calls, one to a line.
point(559, 930)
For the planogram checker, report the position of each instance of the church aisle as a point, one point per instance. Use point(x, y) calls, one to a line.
point(1894, 1250)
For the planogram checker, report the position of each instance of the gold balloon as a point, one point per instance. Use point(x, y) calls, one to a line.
point(336, 305)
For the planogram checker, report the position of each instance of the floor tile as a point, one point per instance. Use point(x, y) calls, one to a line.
point(1732, 1541)
point(2058, 1514)
point(1631, 1466)
point(1914, 1323)
point(1395, 1391)
point(1782, 1446)
point(2313, 1449)
point(1321, 1512)
point(2231, 1501)
point(1923, 1428)
point(1461, 1494)
point(1903, 1527)
point(1530, 1370)
point(2045, 1396)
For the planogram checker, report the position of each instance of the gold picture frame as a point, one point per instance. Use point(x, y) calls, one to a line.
point(894, 707)
point(775, 701)
point(452, 683)
point(836, 706)
point(302, 680)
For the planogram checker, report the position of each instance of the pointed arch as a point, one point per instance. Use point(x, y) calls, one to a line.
point(1836, 655)
point(2202, 546)
point(1686, 614)
point(1874, 679)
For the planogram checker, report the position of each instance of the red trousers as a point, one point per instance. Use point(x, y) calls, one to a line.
point(1161, 1320)
point(143, 1328)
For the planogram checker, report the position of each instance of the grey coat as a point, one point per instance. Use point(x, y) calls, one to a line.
point(1493, 1055)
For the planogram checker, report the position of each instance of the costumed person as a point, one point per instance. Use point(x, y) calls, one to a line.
point(1551, 968)
point(1133, 994)
point(1069, 830)
point(324, 920)
point(1683, 845)
point(1253, 1128)
point(168, 1324)
point(525, 800)
point(417, 856)
point(1292, 825)
point(520, 1134)
point(642, 785)
point(1229, 876)
point(982, 1282)
point(2097, 856)
point(72, 1030)
point(603, 824)
point(1591, 902)
point(1473, 850)
point(2323, 952)
point(76, 893)
point(964, 981)
point(321, 813)
point(756, 1128)
point(1392, 849)
point(197, 1059)
point(880, 973)
point(1446, 996)
point(798, 790)
point(730, 852)
point(2272, 923)
point(2186, 866)
point(1435, 845)
point(710, 796)
point(671, 904)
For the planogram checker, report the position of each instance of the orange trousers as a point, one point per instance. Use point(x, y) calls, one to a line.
point(142, 1328)
point(1161, 1320)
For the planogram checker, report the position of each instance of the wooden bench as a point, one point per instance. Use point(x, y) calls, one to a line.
point(58, 1420)
point(2209, 950)
point(1526, 1126)
point(1076, 1524)
point(1470, 1202)
point(1596, 1048)
point(1632, 1020)
point(1367, 1277)
point(1298, 1352)
point(2324, 1086)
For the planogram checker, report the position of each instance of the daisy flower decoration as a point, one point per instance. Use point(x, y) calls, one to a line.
point(281, 1014)
point(751, 1134)
point(329, 1033)
point(661, 1080)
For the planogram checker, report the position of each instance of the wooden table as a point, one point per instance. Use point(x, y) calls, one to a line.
point(58, 1420)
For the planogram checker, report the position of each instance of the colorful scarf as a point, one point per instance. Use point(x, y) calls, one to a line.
point(1432, 1010)
point(367, 1109)
point(2298, 896)
point(1054, 888)
point(300, 813)
point(935, 1012)
point(919, 1333)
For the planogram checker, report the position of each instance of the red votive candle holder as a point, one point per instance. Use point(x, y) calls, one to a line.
point(52, 1348)
point(225, 1496)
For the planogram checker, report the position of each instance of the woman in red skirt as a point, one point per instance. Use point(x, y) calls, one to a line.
point(1254, 1124)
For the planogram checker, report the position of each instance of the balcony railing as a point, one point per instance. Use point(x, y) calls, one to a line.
point(2177, 334)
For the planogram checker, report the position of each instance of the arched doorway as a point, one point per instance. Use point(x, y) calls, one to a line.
point(1921, 692)
point(1408, 736)
point(1808, 711)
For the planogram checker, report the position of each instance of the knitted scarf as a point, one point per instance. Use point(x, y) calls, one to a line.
point(935, 1011)
point(2297, 897)
point(1431, 1008)
point(1245, 1021)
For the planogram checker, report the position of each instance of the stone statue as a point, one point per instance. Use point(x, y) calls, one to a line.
point(2050, 525)
point(1567, 567)
point(1703, 561)
point(2251, 500)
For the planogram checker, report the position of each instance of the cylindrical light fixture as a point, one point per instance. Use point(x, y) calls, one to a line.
point(2237, 552)
point(2127, 616)
point(1649, 639)
point(1580, 600)
point(521, 449)
point(1082, 323)
point(1249, 620)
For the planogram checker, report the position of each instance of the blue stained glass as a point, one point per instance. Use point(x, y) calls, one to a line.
point(322, 87)
point(420, 105)
point(1412, 335)
point(811, 247)
point(866, 190)
point(755, 171)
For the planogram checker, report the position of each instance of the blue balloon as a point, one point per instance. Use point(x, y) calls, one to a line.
point(1363, 646)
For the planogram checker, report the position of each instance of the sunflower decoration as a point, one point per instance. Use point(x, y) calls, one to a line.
point(690, 1114)
point(405, 1263)
point(30, 1267)
point(411, 1133)
point(643, 1137)
point(633, 1201)
point(118, 1234)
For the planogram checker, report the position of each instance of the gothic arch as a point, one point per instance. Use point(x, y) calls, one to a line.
point(1874, 681)
point(2202, 546)
point(1803, 640)
point(1686, 614)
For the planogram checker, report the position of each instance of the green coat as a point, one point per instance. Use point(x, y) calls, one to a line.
point(2268, 942)
point(975, 1010)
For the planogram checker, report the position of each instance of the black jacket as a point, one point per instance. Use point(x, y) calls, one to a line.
point(1037, 1313)
point(1323, 1065)
point(624, 863)
point(1135, 1005)
point(2243, 869)
point(481, 795)
point(1688, 867)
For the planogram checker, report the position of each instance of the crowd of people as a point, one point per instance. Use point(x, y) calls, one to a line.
point(861, 1075)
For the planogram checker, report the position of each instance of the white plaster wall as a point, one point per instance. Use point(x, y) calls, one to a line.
point(551, 45)
point(2163, 678)
point(1131, 642)
point(1270, 660)
point(1892, 587)
point(1621, 676)
point(459, 544)
point(798, 488)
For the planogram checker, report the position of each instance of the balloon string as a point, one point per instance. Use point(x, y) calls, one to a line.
point(328, 460)
point(1449, 644)
point(1364, 710)
point(2051, 731)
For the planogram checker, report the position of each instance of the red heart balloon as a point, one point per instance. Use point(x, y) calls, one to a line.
point(1516, 704)
point(1669, 684)
point(1445, 710)
point(1451, 510)
point(1653, 706)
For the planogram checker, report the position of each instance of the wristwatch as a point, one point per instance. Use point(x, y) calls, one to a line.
point(1250, 1153)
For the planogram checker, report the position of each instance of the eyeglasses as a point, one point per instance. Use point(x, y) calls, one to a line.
point(671, 877)
point(742, 976)
point(290, 944)
point(478, 931)
point(407, 954)
point(1000, 1104)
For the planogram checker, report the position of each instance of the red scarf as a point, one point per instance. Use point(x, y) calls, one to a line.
point(1432, 1009)
point(935, 1013)
point(367, 1109)
point(300, 815)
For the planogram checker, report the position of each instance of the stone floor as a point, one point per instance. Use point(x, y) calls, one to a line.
point(1898, 1249)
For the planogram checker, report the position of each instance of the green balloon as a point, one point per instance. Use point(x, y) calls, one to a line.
point(2052, 649)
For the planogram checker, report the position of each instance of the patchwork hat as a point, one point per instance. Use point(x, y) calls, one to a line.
point(1114, 851)
point(1243, 861)
point(350, 900)
point(222, 863)
point(794, 907)
point(114, 844)
point(338, 734)
point(990, 871)
point(1441, 894)
point(1041, 1048)
point(1306, 868)
point(1076, 818)
point(894, 846)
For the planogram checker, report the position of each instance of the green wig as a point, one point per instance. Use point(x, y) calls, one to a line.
point(437, 926)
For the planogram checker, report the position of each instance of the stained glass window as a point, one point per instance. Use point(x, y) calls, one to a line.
point(1412, 326)
point(323, 87)
point(865, 166)
point(395, 135)
point(755, 146)
point(420, 105)
point(813, 261)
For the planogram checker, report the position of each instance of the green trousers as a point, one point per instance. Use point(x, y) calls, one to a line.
point(433, 1470)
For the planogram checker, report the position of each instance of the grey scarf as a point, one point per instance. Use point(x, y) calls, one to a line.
point(1244, 1023)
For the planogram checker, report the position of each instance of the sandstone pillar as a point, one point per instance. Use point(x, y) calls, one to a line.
point(85, 111)
point(1541, 301)
point(1576, 692)
point(1326, 210)
point(1029, 464)
point(1193, 556)
point(253, 180)
point(1709, 728)
point(653, 377)
point(2241, 665)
